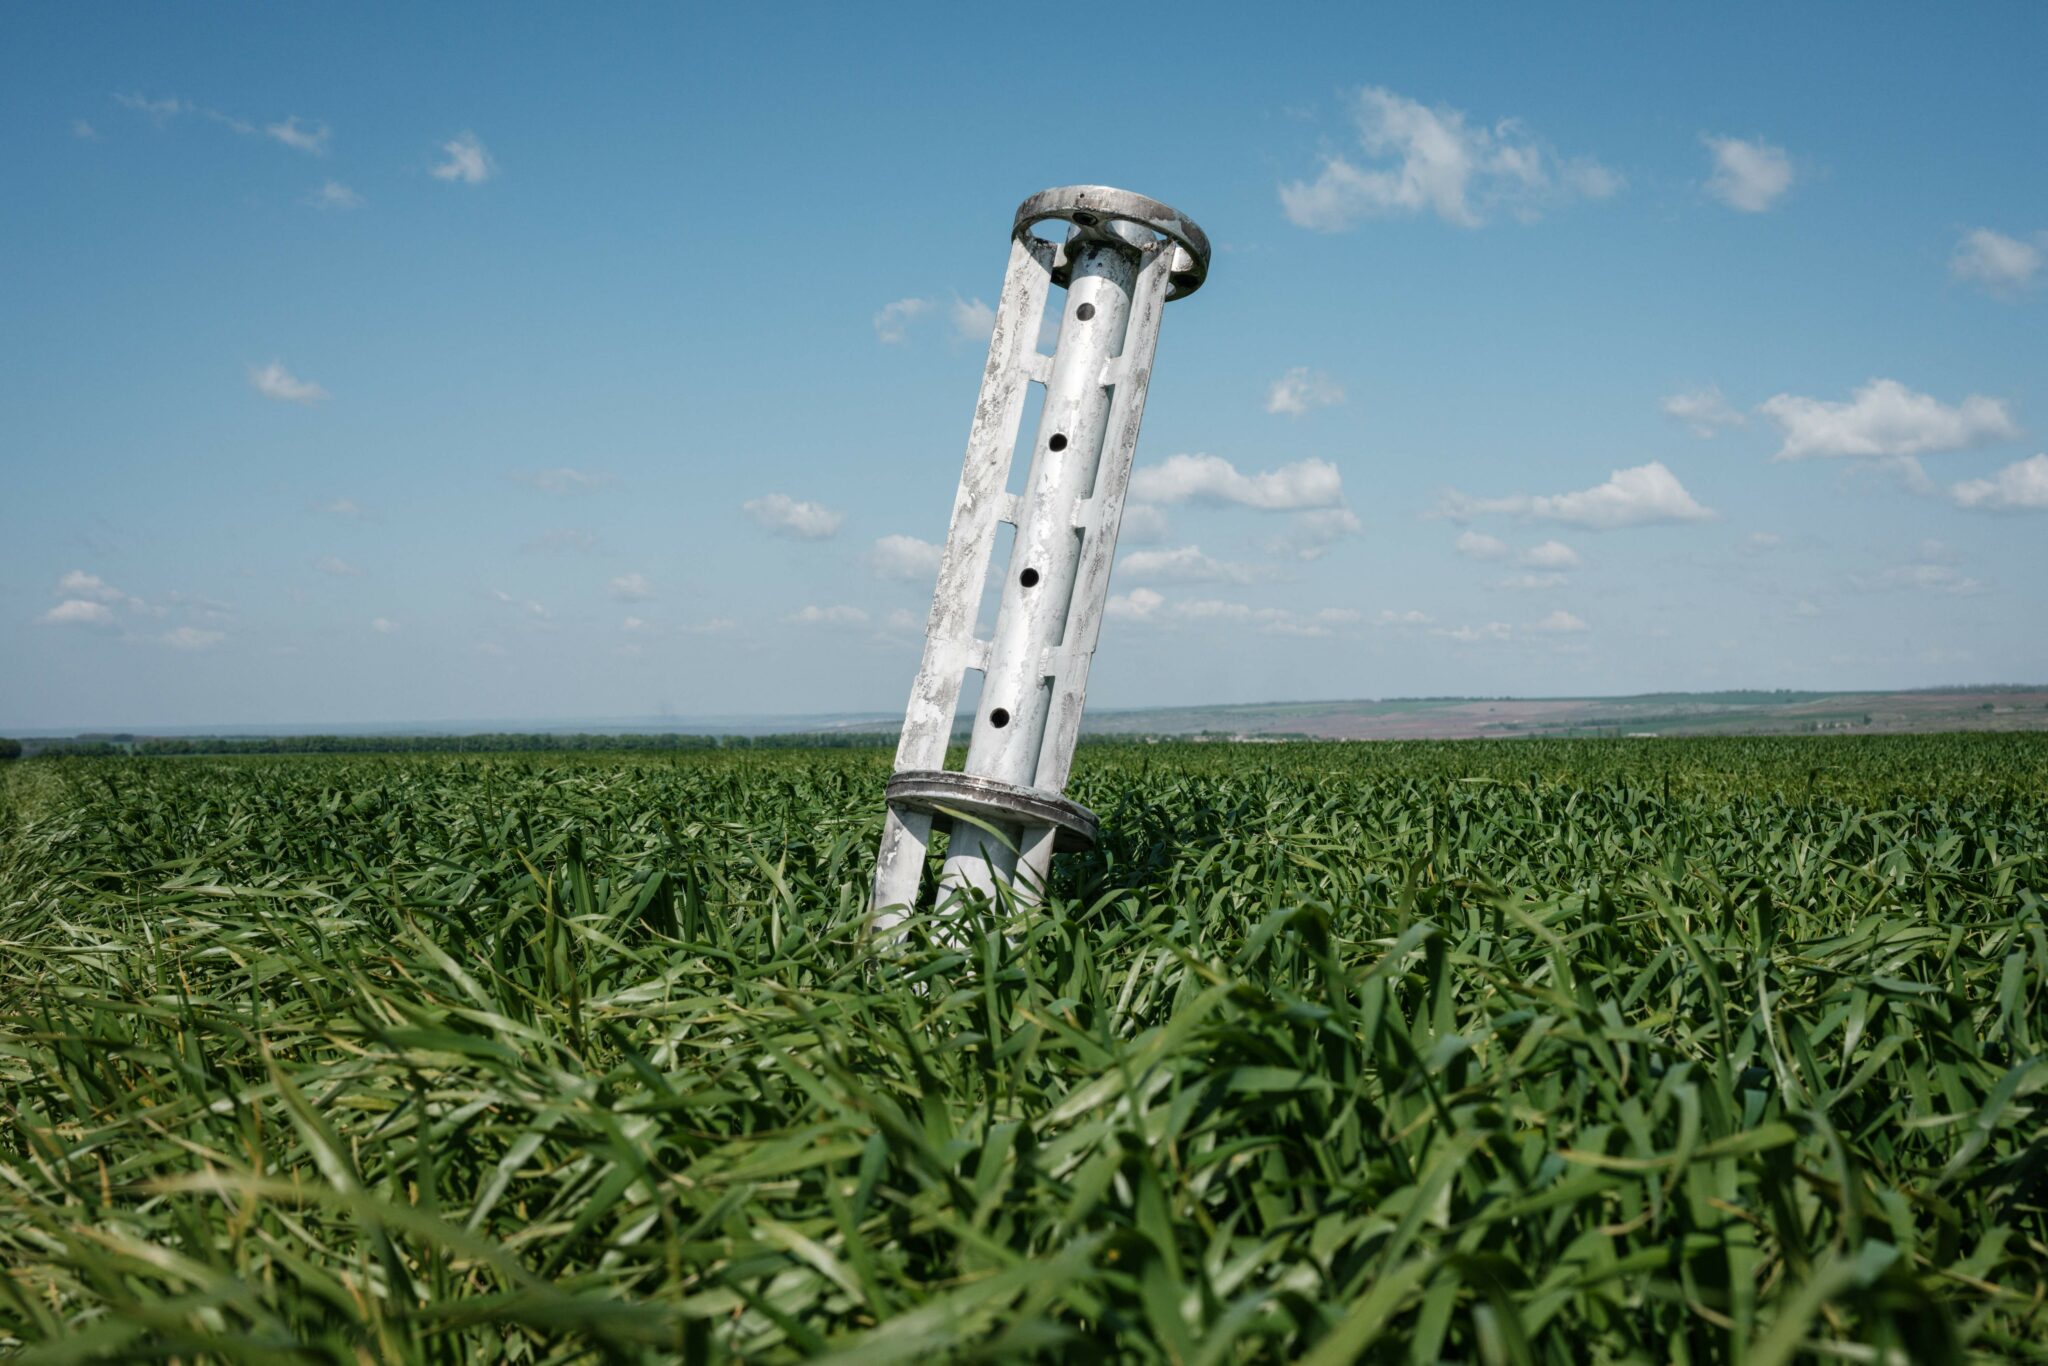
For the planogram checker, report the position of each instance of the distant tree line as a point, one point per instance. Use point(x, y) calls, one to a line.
point(492, 743)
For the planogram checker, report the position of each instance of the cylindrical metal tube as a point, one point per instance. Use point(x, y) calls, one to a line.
point(1009, 726)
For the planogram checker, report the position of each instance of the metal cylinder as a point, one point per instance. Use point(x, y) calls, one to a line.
point(1124, 257)
point(1038, 592)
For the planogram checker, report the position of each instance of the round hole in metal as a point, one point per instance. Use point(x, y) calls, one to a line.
point(999, 718)
point(1086, 220)
point(1058, 442)
point(1085, 312)
point(1029, 578)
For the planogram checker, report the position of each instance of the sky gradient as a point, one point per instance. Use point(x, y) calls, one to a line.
point(368, 366)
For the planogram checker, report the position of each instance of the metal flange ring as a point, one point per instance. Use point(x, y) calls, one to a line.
point(938, 790)
point(1090, 207)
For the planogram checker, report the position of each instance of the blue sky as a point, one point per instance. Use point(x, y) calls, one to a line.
point(511, 361)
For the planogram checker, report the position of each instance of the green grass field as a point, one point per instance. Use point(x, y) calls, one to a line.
point(1531, 1051)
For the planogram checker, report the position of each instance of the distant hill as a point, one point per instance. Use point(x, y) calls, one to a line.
point(2019, 707)
point(1715, 713)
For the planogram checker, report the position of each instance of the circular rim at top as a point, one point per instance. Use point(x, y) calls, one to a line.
point(1101, 202)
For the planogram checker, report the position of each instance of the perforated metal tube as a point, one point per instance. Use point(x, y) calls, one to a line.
point(1124, 257)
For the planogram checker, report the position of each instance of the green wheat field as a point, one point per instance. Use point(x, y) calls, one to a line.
point(1709, 1050)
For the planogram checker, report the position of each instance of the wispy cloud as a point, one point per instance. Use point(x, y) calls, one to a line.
point(383, 626)
point(1750, 175)
point(892, 321)
point(84, 131)
point(1477, 545)
point(1152, 607)
point(191, 638)
point(338, 567)
point(273, 381)
point(905, 559)
point(2000, 265)
point(633, 587)
point(1184, 564)
point(78, 612)
point(1704, 412)
point(840, 615)
point(308, 137)
point(1884, 418)
point(2020, 487)
point(972, 320)
point(1559, 623)
point(1640, 496)
point(1310, 534)
point(564, 482)
point(1301, 389)
point(467, 163)
point(787, 516)
point(334, 195)
point(1418, 159)
point(158, 111)
point(338, 507)
point(1212, 479)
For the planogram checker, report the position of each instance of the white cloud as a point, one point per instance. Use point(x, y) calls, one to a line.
point(1530, 583)
point(1747, 175)
point(1559, 623)
point(633, 587)
point(84, 131)
point(383, 626)
point(1758, 542)
point(905, 559)
point(80, 584)
point(339, 507)
point(530, 607)
point(1549, 555)
point(311, 138)
point(564, 481)
point(1309, 535)
point(786, 516)
point(1477, 545)
point(334, 195)
point(335, 565)
point(1301, 389)
point(2001, 265)
point(1639, 496)
point(903, 621)
point(1467, 635)
point(829, 616)
point(158, 112)
point(190, 638)
point(78, 612)
point(274, 381)
point(2020, 487)
point(490, 647)
point(1183, 564)
point(1884, 418)
point(1143, 604)
point(467, 161)
point(973, 320)
point(632, 624)
point(1140, 604)
point(893, 320)
point(1411, 617)
point(1925, 578)
point(1212, 479)
point(1703, 411)
point(1804, 608)
point(1142, 524)
point(1423, 160)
